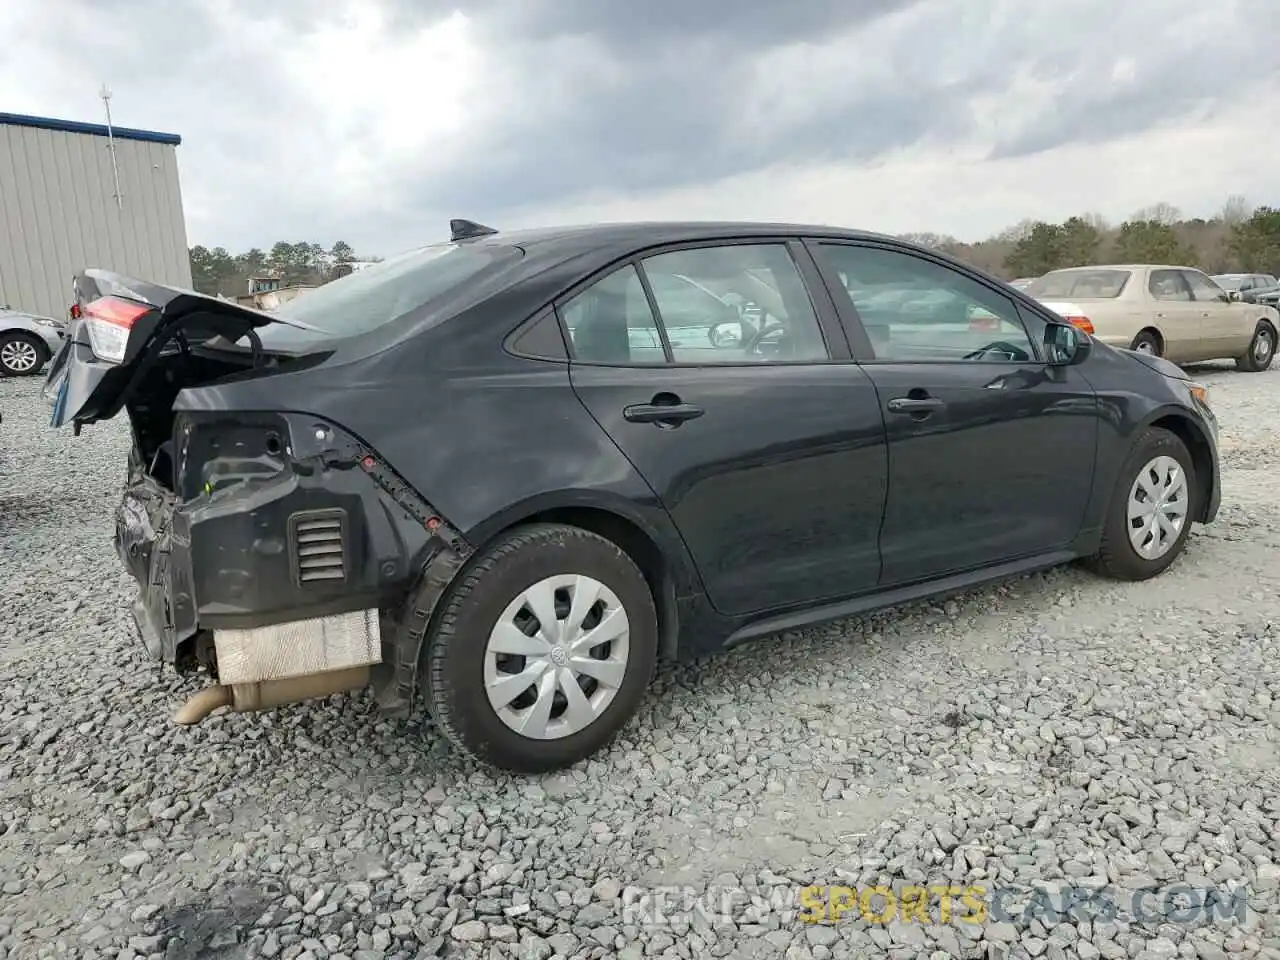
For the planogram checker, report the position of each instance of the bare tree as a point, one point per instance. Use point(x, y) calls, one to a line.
point(1236, 210)
point(1165, 213)
point(1097, 221)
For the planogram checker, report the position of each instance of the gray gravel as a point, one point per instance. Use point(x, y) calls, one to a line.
point(1052, 735)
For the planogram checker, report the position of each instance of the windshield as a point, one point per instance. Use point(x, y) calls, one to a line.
point(1079, 284)
point(366, 299)
point(1228, 282)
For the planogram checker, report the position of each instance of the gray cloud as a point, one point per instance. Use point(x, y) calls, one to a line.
point(603, 95)
point(686, 66)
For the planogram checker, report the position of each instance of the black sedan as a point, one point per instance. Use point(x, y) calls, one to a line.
point(502, 476)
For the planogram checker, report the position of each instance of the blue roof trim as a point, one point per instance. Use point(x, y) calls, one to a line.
point(93, 129)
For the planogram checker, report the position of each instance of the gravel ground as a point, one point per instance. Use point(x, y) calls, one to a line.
point(1052, 735)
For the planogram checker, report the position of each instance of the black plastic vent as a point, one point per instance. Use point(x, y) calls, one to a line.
point(318, 542)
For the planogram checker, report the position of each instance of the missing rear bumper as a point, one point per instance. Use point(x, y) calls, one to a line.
point(232, 580)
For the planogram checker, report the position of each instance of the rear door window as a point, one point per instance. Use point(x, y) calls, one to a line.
point(734, 303)
point(1169, 285)
point(611, 322)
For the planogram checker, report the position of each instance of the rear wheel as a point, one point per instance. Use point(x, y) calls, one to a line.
point(1262, 349)
point(1151, 509)
point(1148, 341)
point(543, 649)
point(21, 355)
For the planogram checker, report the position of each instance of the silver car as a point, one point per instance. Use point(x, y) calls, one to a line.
point(27, 342)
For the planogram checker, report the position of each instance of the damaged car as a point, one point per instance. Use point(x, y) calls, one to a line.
point(486, 480)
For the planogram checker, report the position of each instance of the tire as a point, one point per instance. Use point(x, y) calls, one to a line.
point(1148, 341)
point(21, 355)
point(491, 589)
point(1117, 556)
point(1262, 349)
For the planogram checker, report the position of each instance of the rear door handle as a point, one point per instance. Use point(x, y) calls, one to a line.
point(915, 404)
point(662, 412)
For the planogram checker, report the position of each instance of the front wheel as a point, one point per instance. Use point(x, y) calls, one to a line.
point(543, 650)
point(1150, 514)
point(21, 355)
point(1262, 349)
point(1148, 342)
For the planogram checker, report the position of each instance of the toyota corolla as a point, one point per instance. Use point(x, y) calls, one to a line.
point(485, 480)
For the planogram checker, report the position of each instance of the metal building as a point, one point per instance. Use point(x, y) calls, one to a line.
point(61, 210)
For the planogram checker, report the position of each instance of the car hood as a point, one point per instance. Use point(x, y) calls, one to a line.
point(28, 319)
point(1158, 364)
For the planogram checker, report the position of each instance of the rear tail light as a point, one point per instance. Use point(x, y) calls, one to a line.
point(1080, 323)
point(109, 321)
point(983, 324)
point(74, 312)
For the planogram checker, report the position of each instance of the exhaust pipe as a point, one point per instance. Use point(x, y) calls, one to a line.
point(202, 704)
point(248, 697)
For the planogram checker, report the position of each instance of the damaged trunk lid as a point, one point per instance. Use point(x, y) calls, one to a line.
point(121, 328)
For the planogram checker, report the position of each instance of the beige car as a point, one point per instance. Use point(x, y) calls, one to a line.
point(1173, 312)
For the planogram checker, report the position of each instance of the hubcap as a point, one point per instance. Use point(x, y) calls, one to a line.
point(19, 356)
point(557, 657)
point(1146, 346)
point(1157, 507)
point(1262, 345)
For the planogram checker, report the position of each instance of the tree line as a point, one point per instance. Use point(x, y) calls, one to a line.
point(219, 272)
point(1238, 239)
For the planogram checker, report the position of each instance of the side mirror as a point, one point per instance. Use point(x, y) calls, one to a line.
point(726, 334)
point(1065, 345)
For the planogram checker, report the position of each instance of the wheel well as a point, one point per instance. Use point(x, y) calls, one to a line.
point(636, 544)
point(31, 338)
point(1154, 332)
point(1201, 454)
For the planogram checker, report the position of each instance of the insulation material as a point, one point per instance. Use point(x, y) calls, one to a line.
point(298, 648)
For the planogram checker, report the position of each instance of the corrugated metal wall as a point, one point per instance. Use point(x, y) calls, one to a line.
point(58, 214)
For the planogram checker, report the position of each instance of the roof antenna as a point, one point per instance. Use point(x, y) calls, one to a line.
point(105, 94)
point(468, 230)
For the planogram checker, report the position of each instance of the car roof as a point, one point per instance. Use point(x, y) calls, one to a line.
point(663, 231)
point(1129, 266)
point(621, 238)
point(606, 242)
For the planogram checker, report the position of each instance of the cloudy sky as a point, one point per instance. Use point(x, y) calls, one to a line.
point(374, 121)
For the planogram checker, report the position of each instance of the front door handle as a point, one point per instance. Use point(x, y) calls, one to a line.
point(662, 413)
point(915, 405)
